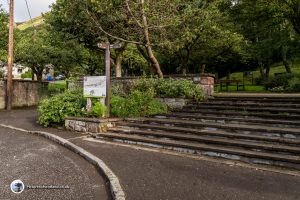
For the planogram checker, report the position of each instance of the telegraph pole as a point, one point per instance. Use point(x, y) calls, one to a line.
point(10, 60)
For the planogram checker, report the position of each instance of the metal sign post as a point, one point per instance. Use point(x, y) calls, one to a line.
point(107, 48)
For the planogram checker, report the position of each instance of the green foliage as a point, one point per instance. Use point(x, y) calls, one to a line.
point(3, 34)
point(171, 88)
point(57, 85)
point(294, 84)
point(137, 104)
point(98, 110)
point(277, 81)
point(284, 83)
point(54, 110)
point(26, 75)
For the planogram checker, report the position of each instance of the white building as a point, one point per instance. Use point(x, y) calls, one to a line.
point(17, 72)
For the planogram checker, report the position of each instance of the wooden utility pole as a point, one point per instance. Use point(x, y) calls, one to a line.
point(10, 61)
point(107, 46)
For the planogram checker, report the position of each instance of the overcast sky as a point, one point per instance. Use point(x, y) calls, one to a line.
point(36, 8)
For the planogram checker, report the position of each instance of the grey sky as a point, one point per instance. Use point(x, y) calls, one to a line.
point(36, 8)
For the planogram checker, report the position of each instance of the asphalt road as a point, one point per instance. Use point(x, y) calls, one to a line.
point(156, 176)
point(37, 162)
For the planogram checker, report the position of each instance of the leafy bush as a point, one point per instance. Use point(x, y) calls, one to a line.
point(278, 81)
point(117, 90)
point(26, 75)
point(284, 82)
point(137, 104)
point(98, 110)
point(171, 88)
point(55, 109)
point(294, 85)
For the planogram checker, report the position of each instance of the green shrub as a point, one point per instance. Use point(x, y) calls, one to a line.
point(54, 110)
point(171, 88)
point(294, 85)
point(98, 110)
point(26, 75)
point(117, 90)
point(278, 81)
point(137, 104)
point(284, 82)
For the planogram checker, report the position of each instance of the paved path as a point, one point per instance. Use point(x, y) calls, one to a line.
point(153, 176)
point(37, 162)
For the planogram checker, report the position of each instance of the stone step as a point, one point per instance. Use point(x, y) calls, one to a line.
point(245, 104)
point(271, 147)
point(213, 133)
point(285, 116)
point(205, 149)
point(248, 109)
point(220, 119)
point(232, 127)
point(257, 99)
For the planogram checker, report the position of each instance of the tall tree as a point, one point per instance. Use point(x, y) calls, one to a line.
point(140, 22)
point(3, 34)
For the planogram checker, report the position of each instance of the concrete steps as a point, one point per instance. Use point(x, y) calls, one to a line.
point(256, 99)
point(245, 108)
point(265, 115)
point(263, 130)
point(231, 119)
point(295, 132)
point(209, 140)
point(289, 161)
point(216, 133)
point(248, 104)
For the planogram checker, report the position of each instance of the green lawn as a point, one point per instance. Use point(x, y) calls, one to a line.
point(57, 85)
point(279, 68)
point(35, 22)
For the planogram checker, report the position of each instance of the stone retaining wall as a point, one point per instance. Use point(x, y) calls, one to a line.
point(125, 84)
point(25, 93)
point(89, 125)
point(174, 103)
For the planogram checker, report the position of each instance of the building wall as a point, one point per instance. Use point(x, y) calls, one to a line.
point(25, 93)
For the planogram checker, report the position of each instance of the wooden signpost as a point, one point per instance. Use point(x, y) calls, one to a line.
point(107, 46)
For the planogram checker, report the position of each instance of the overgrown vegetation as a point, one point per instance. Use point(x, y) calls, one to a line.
point(171, 88)
point(26, 75)
point(137, 104)
point(284, 82)
point(54, 110)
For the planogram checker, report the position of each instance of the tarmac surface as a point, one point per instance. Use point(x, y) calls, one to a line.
point(148, 175)
point(38, 162)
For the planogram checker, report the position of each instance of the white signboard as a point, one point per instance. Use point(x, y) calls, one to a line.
point(94, 86)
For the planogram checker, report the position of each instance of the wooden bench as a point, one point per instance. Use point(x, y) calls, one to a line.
point(229, 82)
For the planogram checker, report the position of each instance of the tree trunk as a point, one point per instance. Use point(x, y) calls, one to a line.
point(267, 69)
point(39, 76)
point(203, 66)
point(185, 61)
point(284, 60)
point(184, 67)
point(154, 61)
point(119, 60)
point(32, 74)
point(228, 74)
point(119, 65)
point(149, 50)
